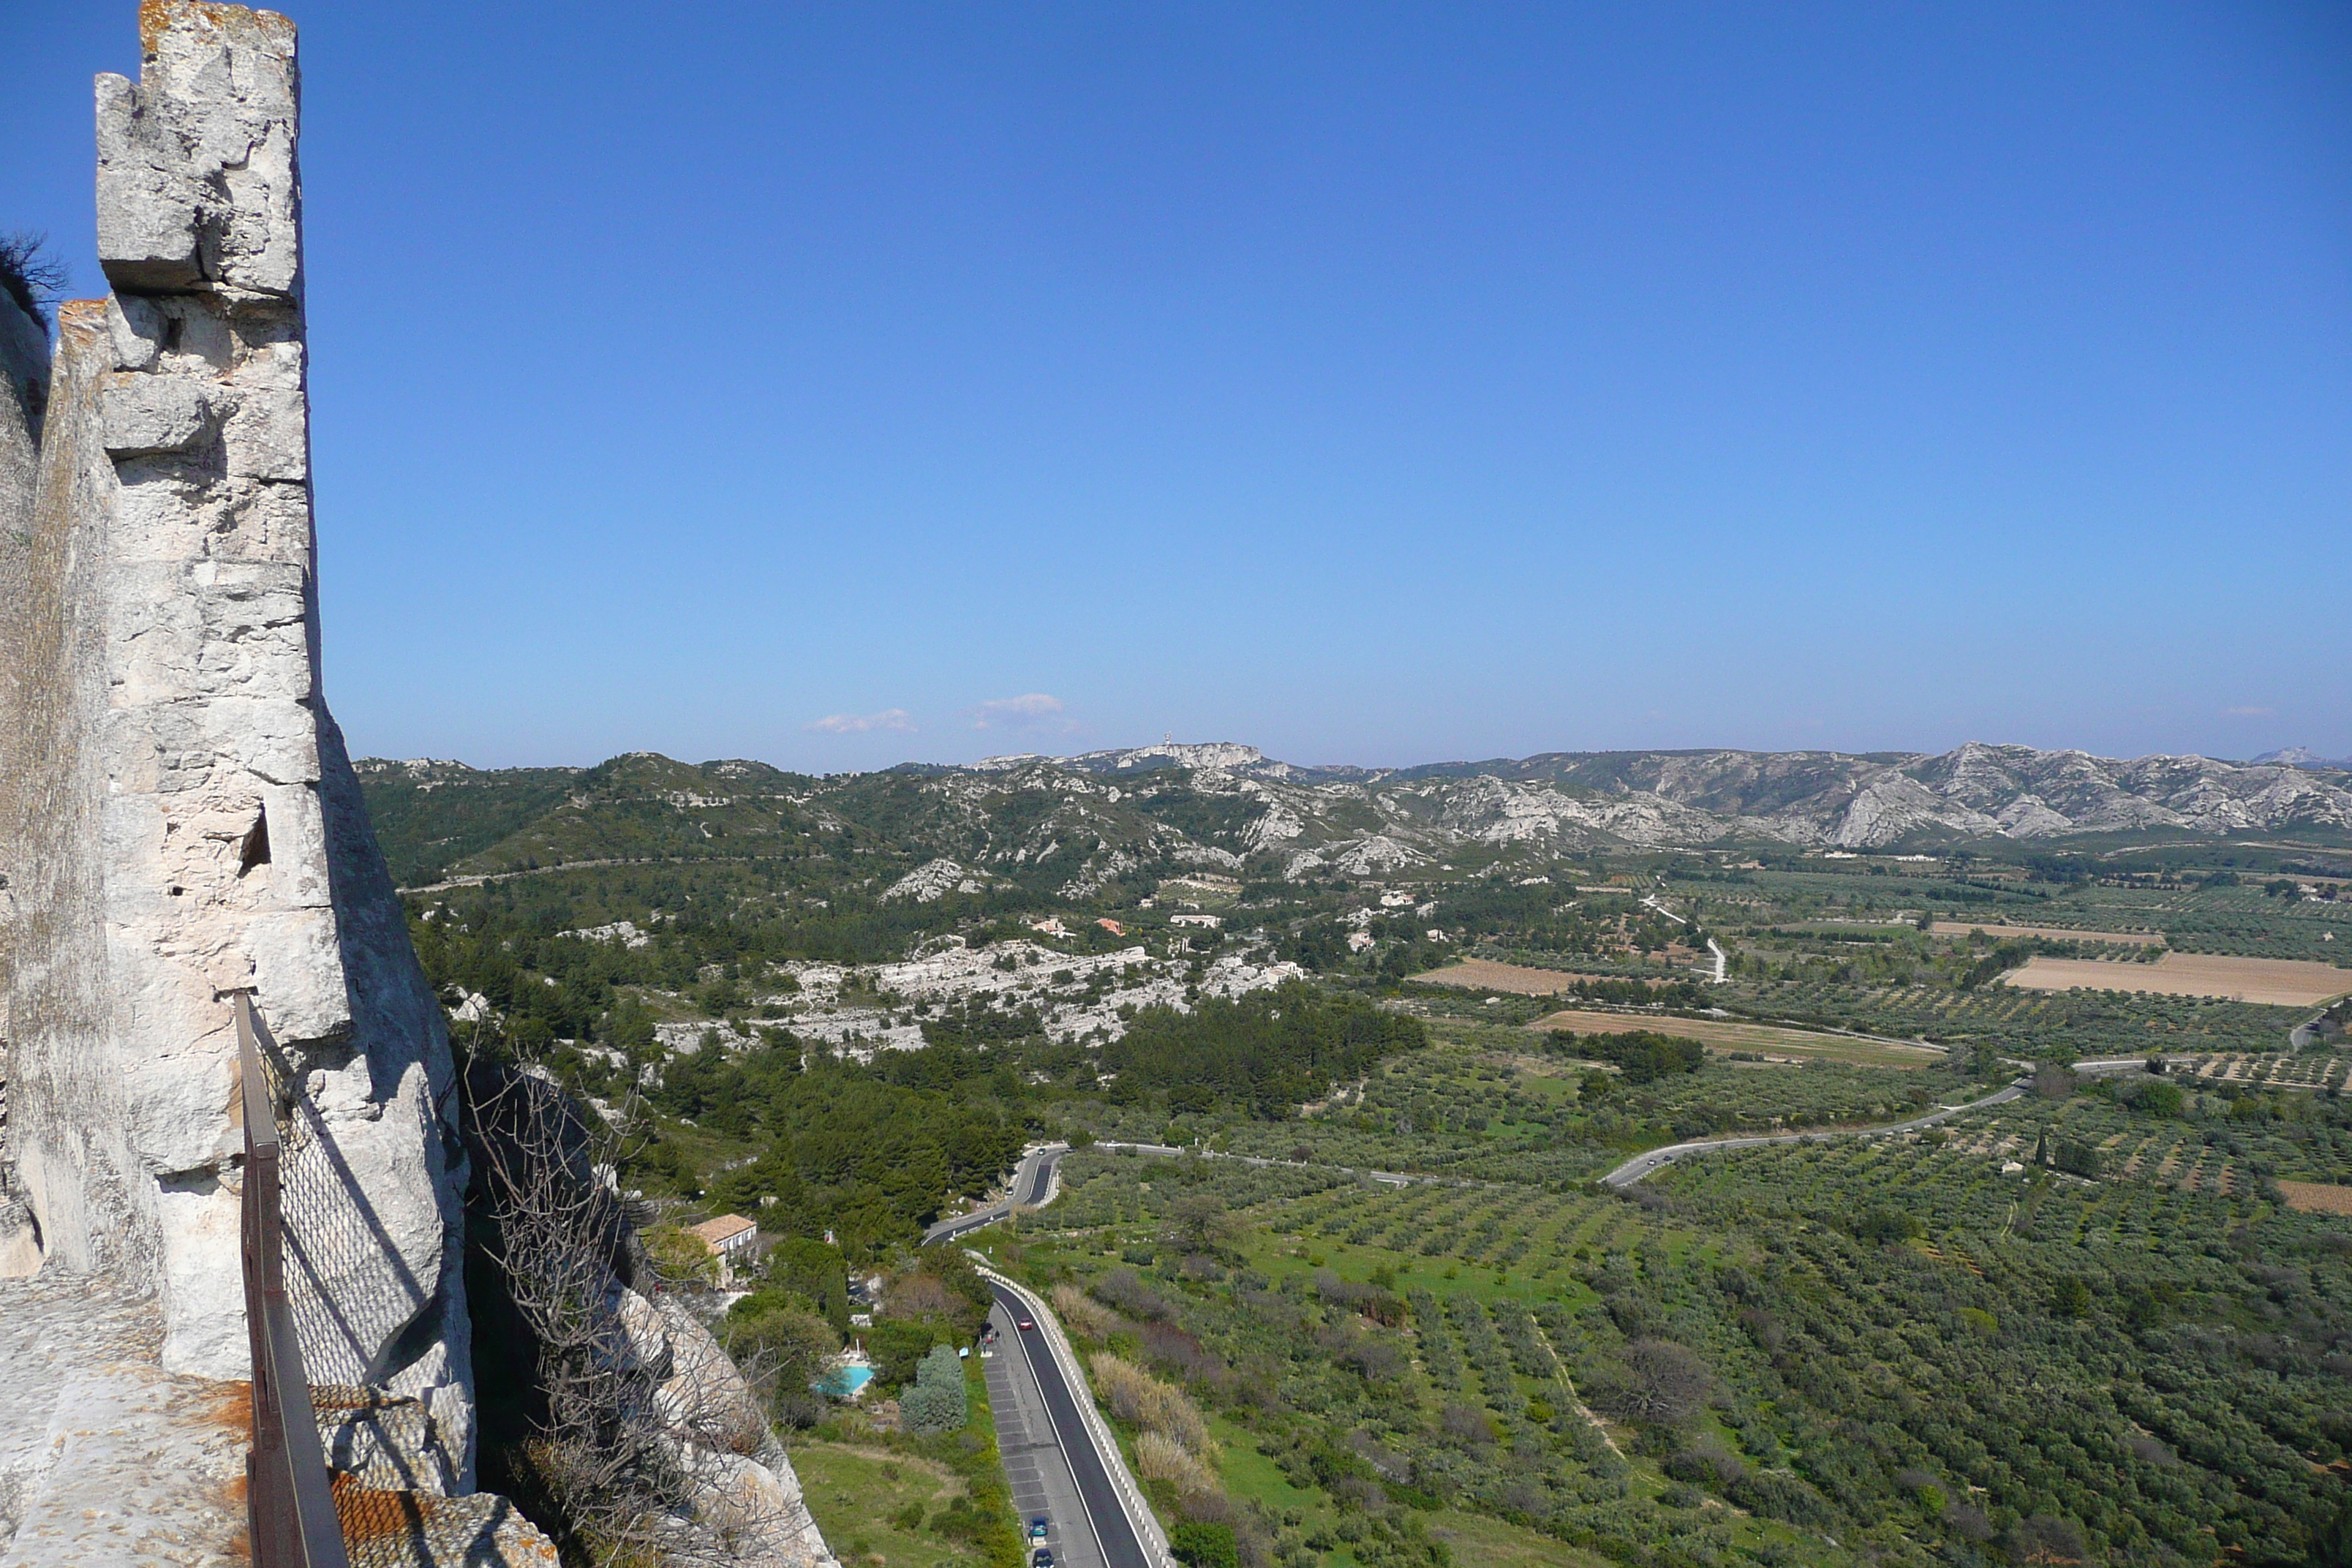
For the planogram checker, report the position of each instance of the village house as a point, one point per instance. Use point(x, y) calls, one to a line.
point(730, 1238)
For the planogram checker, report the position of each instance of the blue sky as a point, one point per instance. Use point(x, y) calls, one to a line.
point(843, 385)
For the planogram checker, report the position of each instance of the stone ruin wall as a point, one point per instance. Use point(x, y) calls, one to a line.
point(179, 821)
point(178, 817)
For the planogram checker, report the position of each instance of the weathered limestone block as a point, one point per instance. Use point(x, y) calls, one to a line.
point(20, 1241)
point(197, 178)
point(382, 1441)
point(145, 413)
point(178, 817)
point(648, 1333)
point(267, 437)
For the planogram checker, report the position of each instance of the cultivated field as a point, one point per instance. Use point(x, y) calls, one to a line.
point(1485, 974)
point(1764, 1038)
point(2316, 1198)
point(2279, 982)
point(2055, 933)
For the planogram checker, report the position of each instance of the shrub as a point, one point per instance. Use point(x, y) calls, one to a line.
point(1706, 1464)
point(1886, 1226)
point(1084, 1314)
point(897, 1346)
point(1123, 1290)
point(1641, 1055)
point(1161, 1459)
point(1197, 1544)
point(1666, 1383)
point(1185, 1355)
point(1780, 1496)
point(28, 278)
point(1468, 1424)
point(1968, 1522)
point(2046, 1538)
point(780, 1347)
point(1135, 1395)
point(1372, 1300)
point(2079, 1159)
point(680, 1255)
point(936, 1403)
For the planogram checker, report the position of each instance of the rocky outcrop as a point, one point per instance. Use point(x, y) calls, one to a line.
point(933, 880)
point(740, 1476)
point(178, 819)
point(643, 1427)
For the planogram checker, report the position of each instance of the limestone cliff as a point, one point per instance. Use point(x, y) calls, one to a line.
point(178, 818)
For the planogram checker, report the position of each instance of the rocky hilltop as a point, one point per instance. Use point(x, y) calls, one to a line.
point(1075, 824)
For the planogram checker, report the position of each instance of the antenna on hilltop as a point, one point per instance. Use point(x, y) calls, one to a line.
point(1168, 738)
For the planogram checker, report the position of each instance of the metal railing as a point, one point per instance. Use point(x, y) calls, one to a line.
point(289, 1507)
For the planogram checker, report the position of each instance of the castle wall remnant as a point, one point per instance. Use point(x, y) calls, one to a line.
point(178, 817)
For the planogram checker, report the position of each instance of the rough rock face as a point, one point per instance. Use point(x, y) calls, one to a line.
point(178, 819)
point(24, 393)
point(932, 881)
point(741, 1479)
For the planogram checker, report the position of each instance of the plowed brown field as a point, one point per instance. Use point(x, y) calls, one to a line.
point(2316, 1198)
point(2055, 933)
point(1485, 974)
point(2280, 981)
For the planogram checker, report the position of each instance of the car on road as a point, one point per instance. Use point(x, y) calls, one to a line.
point(1027, 1325)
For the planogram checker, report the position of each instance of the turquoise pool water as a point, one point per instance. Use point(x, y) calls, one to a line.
point(844, 1382)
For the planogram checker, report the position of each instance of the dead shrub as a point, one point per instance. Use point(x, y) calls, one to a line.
point(920, 1296)
point(1135, 1395)
point(1159, 1458)
point(1124, 1290)
point(1469, 1424)
point(1185, 1355)
point(1665, 1383)
point(1085, 1315)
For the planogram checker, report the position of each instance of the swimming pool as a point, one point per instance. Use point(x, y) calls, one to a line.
point(844, 1382)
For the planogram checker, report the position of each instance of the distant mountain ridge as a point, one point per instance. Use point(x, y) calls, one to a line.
point(1075, 823)
point(2302, 757)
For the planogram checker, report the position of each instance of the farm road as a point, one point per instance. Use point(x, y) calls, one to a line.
point(1640, 1165)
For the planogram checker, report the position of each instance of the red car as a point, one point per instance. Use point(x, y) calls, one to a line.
point(1027, 1325)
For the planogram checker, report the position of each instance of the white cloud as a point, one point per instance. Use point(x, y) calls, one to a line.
point(1034, 712)
point(2251, 713)
point(859, 723)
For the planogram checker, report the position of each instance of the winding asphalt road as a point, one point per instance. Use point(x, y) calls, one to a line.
point(1032, 1184)
point(1640, 1165)
point(1107, 1525)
